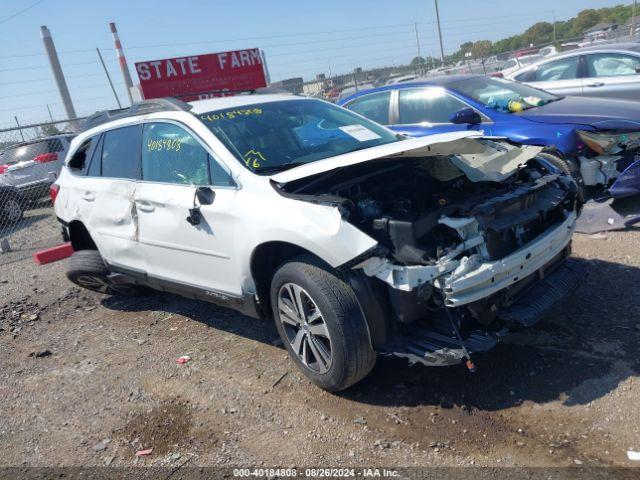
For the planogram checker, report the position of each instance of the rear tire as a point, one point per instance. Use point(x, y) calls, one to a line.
point(570, 168)
point(88, 270)
point(330, 340)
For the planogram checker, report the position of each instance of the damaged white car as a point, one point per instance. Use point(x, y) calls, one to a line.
point(357, 241)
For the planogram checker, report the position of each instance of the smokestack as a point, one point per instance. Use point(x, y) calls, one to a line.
point(122, 60)
point(57, 71)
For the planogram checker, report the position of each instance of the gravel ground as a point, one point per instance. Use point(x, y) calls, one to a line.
point(88, 380)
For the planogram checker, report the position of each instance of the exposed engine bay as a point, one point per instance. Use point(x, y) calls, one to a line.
point(448, 234)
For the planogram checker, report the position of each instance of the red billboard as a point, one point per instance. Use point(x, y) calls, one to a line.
point(202, 76)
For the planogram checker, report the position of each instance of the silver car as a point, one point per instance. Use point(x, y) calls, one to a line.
point(32, 166)
point(611, 71)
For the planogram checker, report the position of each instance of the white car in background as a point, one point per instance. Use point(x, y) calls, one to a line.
point(355, 240)
point(610, 71)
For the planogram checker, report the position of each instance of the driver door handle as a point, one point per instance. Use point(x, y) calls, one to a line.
point(595, 84)
point(145, 207)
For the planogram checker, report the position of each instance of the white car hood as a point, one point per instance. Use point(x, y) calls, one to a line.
point(403, 148)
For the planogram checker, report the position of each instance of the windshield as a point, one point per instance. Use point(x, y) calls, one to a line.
point(274, 136)
point(502, 94)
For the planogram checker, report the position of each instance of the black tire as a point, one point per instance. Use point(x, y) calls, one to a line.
point(11, 208)
point(570, 168)
point(352, 357)
point(87, 270)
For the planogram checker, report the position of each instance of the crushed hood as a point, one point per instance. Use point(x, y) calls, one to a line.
point(479, 161)
point(600, 113)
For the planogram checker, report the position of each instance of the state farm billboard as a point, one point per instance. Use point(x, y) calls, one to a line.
point(202, 76)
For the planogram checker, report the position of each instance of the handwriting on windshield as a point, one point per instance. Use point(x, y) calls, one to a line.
point(231, 114)
point(253, 158)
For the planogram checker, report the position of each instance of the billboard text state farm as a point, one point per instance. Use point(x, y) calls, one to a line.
point(202, 76)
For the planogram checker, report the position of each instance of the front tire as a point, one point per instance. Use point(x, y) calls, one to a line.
point(88, 270)
point(320, 322)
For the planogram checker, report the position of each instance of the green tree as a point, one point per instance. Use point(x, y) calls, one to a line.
point(49, 129)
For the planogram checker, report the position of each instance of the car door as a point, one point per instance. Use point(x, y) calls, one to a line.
point(105, 196)
point(427, 110)
point(613, 75)
point(174, 163)
point(562, 76)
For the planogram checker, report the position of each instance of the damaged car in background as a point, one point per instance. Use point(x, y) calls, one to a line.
point(356, 241)
point(593, 139)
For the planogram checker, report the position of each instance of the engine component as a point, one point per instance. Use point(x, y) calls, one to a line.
point(599, 170)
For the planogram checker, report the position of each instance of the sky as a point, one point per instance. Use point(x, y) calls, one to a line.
point(299, 38)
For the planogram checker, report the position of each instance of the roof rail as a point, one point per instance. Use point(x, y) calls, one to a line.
point(250, 91)
point(137, 108)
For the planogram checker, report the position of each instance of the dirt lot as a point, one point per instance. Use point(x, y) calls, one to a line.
point(89, 380)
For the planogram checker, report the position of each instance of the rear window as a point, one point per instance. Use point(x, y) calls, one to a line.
point(29, 151)
point(121, 153)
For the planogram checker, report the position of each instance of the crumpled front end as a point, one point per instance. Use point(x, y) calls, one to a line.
point(465, 230)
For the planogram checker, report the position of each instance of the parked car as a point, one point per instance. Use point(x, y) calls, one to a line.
point(595, 140)
point(32, 166)
point(515, 64)
point(12, 205)
point(364, 243)
point(611, 71)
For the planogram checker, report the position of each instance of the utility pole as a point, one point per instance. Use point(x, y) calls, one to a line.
point(555, 39)
point(632, 30)
point(106, 72)
point(439, 32)
point(415, 27)
point(57, 72)
point(122, 60)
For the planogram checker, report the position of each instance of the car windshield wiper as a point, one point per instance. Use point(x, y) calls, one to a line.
point(279, 168)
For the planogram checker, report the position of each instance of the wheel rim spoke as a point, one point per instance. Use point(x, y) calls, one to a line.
point(298, 341)
point(323, 358)
point(319, 329)
point(304, 327)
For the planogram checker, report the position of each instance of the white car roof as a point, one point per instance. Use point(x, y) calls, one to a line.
point(202, 106)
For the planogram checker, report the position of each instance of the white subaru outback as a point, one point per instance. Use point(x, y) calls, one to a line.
point(357, 241)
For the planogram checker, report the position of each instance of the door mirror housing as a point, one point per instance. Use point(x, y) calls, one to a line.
point(205, 195)
point(466, 115)
point(638, 68)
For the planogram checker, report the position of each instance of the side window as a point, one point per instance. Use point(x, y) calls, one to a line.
point(611, 65)
point(95, 161)
point(80, 159)
point(375, 107)
point(121, 153)
point(432, 105)
point(563, 69)
point(170, 154)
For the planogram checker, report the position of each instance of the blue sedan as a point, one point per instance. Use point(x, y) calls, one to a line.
point(595, 140)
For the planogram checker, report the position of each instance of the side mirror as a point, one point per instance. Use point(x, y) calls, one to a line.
point(203, 196)
point(638, 68)
point(466, 115)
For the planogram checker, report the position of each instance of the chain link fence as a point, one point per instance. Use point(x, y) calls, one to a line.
point(31, 157)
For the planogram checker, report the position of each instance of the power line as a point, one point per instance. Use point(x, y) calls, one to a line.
point(6, 19)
